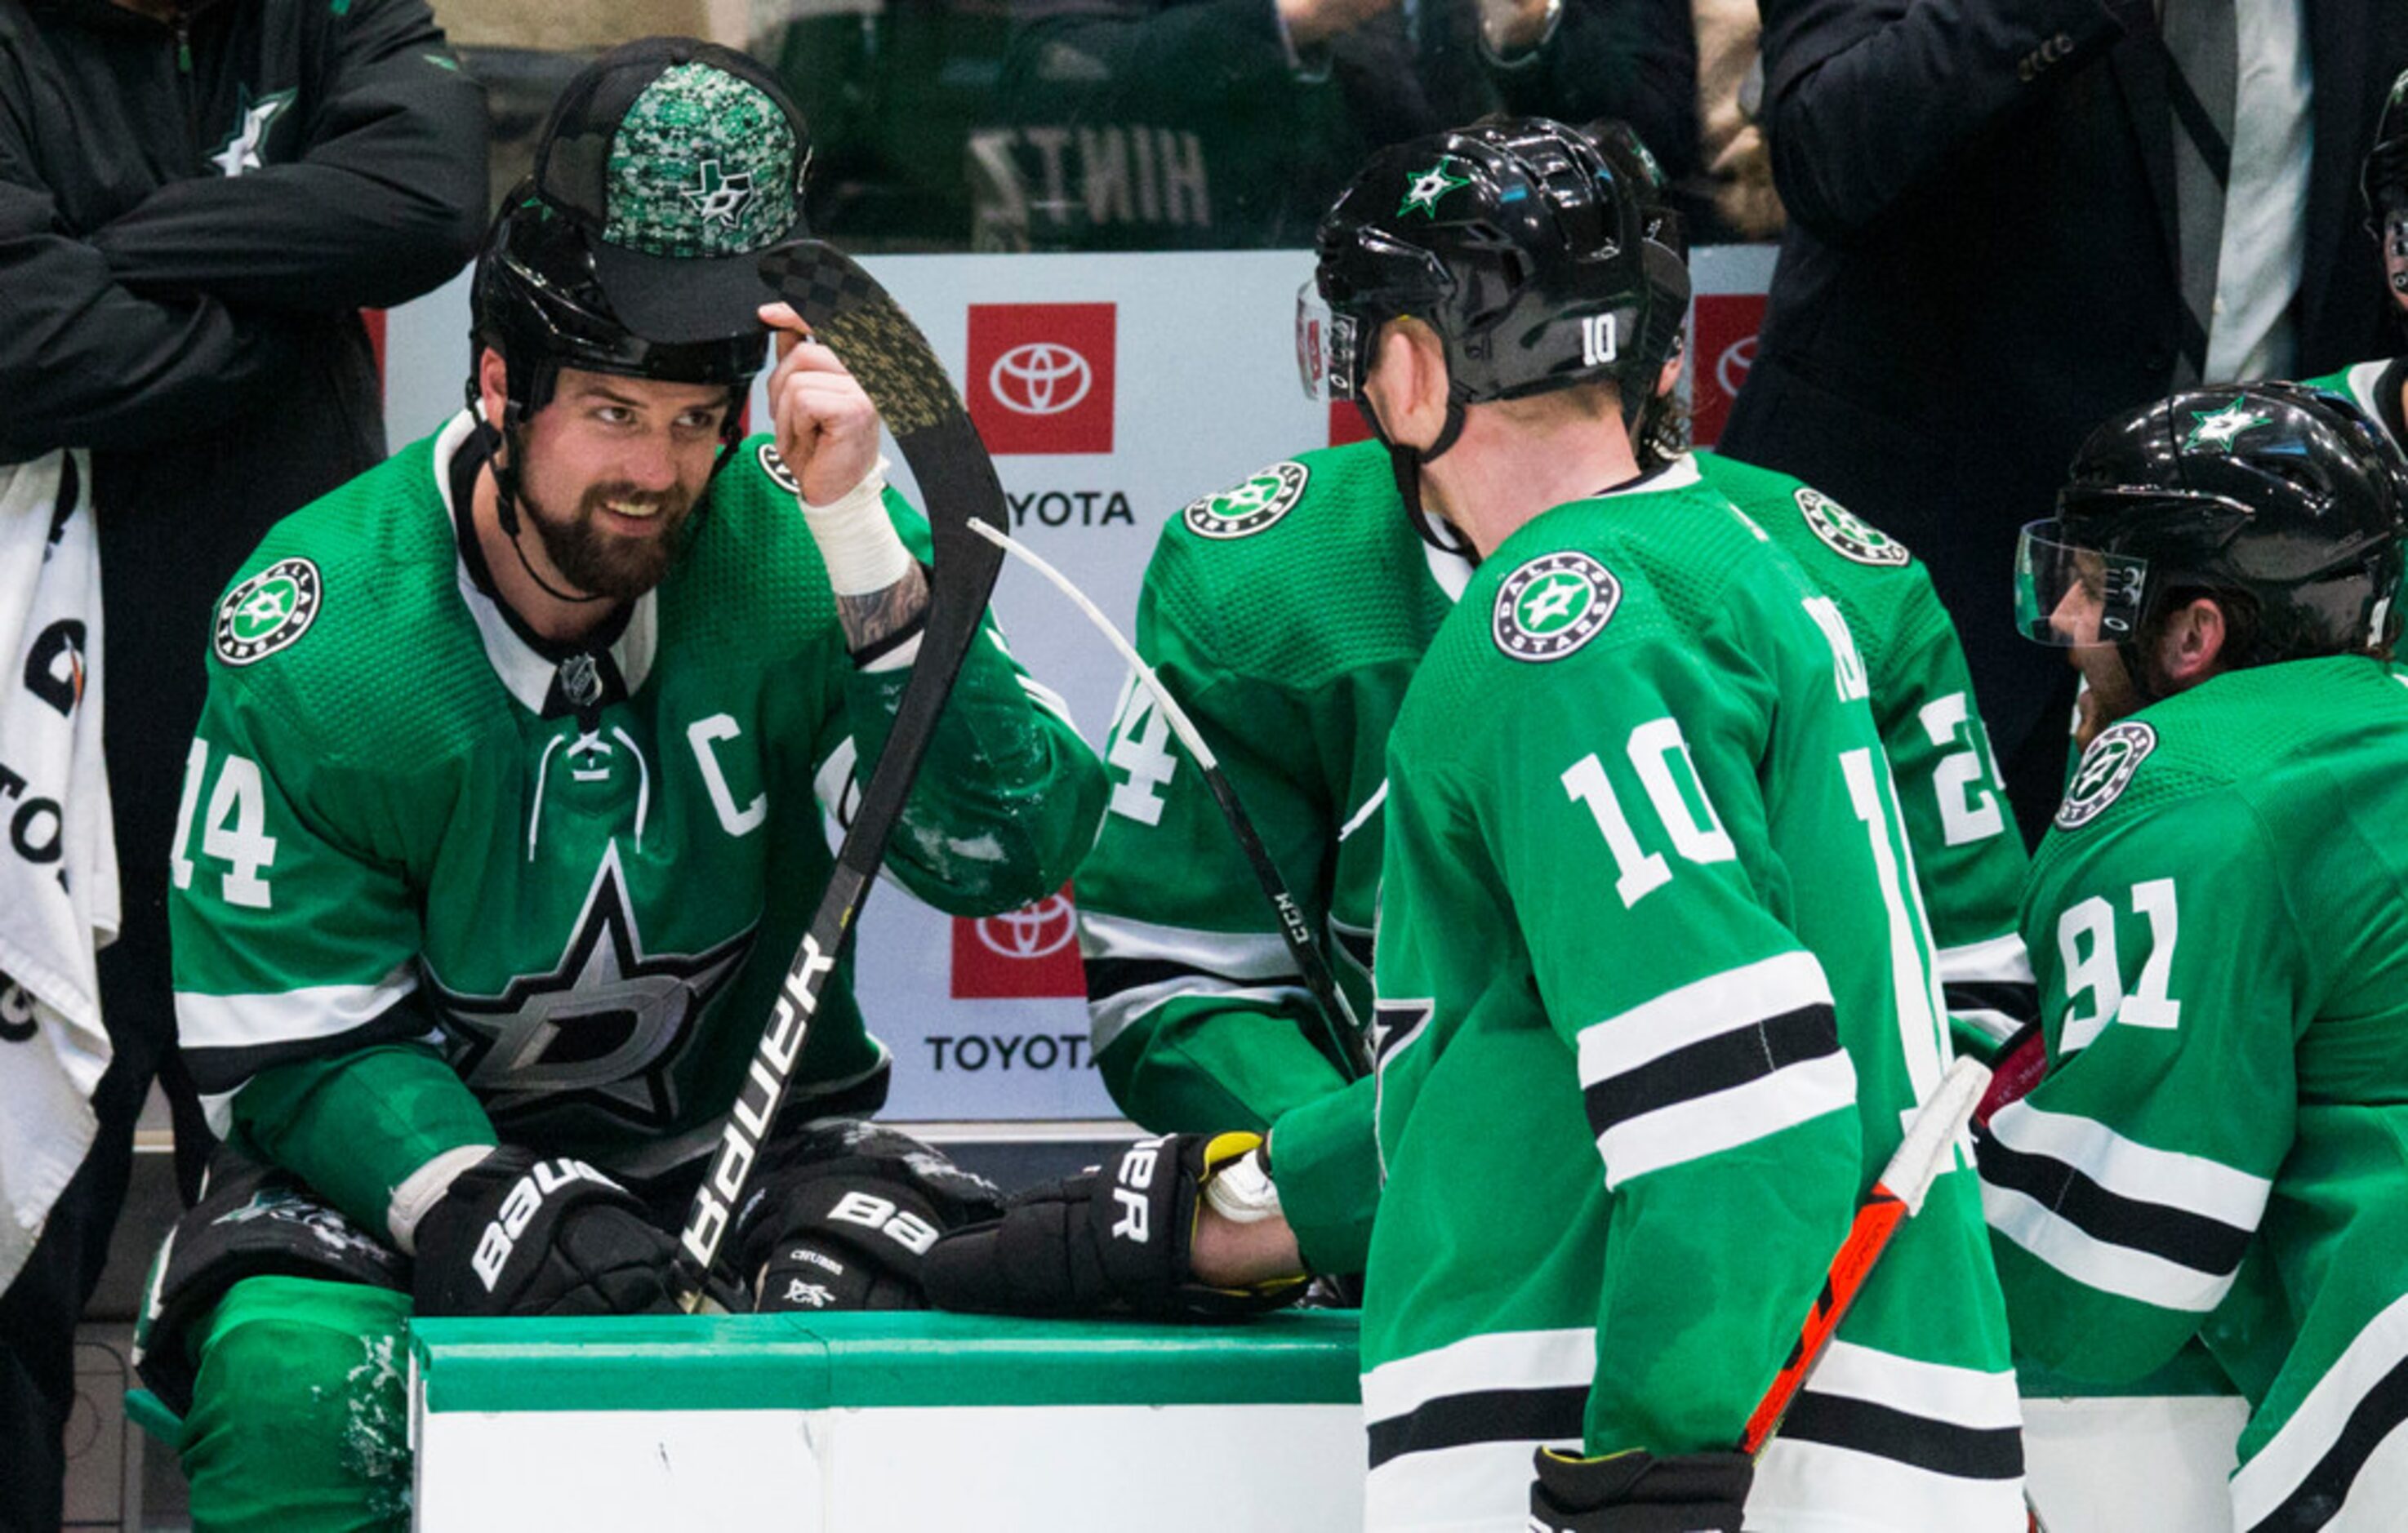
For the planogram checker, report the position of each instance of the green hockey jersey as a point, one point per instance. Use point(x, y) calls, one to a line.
point(431, 886)
point(2377, 388)
point(2219, 922)
point(1654, 1001)
point(1287, 615)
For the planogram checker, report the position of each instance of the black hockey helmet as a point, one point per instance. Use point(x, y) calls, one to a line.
point(664, 168)
point(2284, 496)
point(1520, 242)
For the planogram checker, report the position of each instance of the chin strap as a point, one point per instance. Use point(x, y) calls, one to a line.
point(1406, 464)
point(503, 464)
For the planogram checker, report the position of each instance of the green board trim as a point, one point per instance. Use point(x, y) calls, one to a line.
point(858, 1361)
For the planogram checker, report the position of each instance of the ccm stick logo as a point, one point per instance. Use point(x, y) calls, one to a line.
point(739, 1144)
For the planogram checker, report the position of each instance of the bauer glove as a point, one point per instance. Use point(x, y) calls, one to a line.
point(1636, 1492)
point(518, 1235)
point(1112, 1240)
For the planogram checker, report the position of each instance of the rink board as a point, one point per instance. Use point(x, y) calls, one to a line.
point(921, 1422)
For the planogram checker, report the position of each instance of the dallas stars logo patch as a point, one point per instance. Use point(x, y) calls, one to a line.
point(605, 1028)
point(1844, 534)
point(775, 466)
point(268, 612)
point(1553, 604)
point(2106, 770)
point(720, 197)
point(1422, 194)
point(1251, 507)
point(240, 151)
point(2222, 428)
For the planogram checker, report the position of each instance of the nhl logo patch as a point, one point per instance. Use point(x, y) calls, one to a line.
point(2106, 770)
point(1553, 604)
point(1251, 507)
point(775, 466)
point(1848, 536)
point(268, 612)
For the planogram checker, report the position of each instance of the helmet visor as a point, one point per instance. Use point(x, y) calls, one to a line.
point(1328, 350)
point(2069, 596)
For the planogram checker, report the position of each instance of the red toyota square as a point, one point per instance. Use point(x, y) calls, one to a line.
point(1032, 951)
point(1720, 351)
point(1041, 376)
point(1347, 424)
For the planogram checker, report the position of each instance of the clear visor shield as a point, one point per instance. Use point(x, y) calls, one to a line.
point(2071, 596)
point(1325, 347)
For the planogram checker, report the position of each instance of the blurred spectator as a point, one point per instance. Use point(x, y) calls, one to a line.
point(1144, 124)
point(196, 201)
point(1734, 167)
point(2008, 220)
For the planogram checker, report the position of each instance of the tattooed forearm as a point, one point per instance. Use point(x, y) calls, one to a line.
point(878, 615)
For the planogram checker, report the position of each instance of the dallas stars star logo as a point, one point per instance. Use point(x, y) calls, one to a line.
point(240, 151)
point(2222, 427)
point(604, 1027)
point(1549, 604)
point(1422, 195)
point(720, 197)
point(1249, 506)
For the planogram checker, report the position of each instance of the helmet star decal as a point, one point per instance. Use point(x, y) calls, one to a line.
point(722, 198)
point(1428, 187)
point(2222, 428)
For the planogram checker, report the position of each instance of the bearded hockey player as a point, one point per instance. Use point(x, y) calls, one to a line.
point(2380, 388)
point(1654, 984)
point(2219, 920)
point(500, 822)
point(1287, 614)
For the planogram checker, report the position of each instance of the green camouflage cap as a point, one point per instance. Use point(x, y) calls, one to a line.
point(680, 160)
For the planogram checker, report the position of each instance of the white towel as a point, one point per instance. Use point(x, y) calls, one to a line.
point(58, 853)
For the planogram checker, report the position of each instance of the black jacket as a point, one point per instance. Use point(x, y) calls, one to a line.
point(1981, 266)
point(190, 217)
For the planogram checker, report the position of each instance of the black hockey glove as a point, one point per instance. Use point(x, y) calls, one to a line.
point(518, 1235)
point(1637, 1492)
point(847, 1213)
point(1108, 1241)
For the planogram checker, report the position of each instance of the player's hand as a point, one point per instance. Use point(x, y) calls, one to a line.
point(519, 1236)
point(825, 426)
point(1114, 1239)
point(844, 1217)
point(1637, 1492)
point(1311, 23)
point(1514, 27)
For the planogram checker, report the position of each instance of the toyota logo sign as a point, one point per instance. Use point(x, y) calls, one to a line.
point(1041, 378)
point(1032, 931)
point(1730, 369)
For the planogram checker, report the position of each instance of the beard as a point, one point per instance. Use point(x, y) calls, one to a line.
point(607, 563)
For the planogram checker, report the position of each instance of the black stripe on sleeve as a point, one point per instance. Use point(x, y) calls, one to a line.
point(1711, 1065)
point(1489, 1415)
point(1109, 977)
point(1935, 1446)
point(2318, 1499)
point(2017, 998)
point(2185, 1239)
point(217, 1072)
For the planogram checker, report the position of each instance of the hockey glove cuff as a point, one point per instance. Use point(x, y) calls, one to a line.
point(1636, 1492)
point(519, 1236)
point(1113, 1240)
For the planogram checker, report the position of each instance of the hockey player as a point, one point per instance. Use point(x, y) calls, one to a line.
point(1646, 898)
point(2380, 388)
point(1287, 614)
point(2219, 922)
point(500, 825)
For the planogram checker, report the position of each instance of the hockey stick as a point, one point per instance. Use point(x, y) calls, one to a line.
point(1336, 1017)
point(850, 312)
point(1896, 1195)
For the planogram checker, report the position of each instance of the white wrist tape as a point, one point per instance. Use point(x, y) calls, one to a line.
point(857, 542)
point(1241, 1192)
point(423, 1188)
